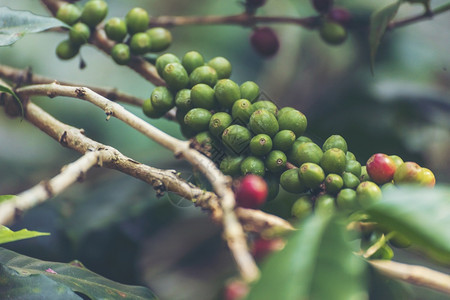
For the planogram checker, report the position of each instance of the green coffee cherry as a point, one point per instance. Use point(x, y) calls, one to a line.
point(302, 207)
point(311, 175)
point(66, 50)
point(249, 91)
point(219, 122)
point(140, 43)
point(116, 29)
point(120, 53)
point(303, 139)
point(205, 139)
point(187, 131)
point(273, 184)
point(198, 119)
point(179, 115)
point(263, 121)
point(231, 165)
point(202, 95)
point(333, 161)
point(161, 38)
point(162, 98)
point(260, 144)
point(284, 140)
point(333, 33)
point(335, 141)
point(163, 60)
point(253, 165)
point(137, 20)
point(150, 111)
point(351, 181)
point(276, 161)
point(353, 167)
point(333, 183)
point(284, 110)
point(175, 76)
point(227, 92)
point(290, 181)
point(305, 152)
point(79, 34)
point(94, 12)
point(203, 74)
point(183, 100)
point(397, 160)
point(68, 13)
point(222, 67)
point(364, 175)
point(367, 193)
point(242, 110)
point(192, 60)
point(267, 105)
point(293, 120)
point(325, 205)
point(346, 200)
point(236, 138)
point(350, 156)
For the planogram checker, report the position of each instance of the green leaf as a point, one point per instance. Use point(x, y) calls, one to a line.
point(315, 257)
point(14, 24)
point(31, 274)
point(7, 90)
point(7, 235)
point(6, 197)
point(378, 23)
point(420, 214)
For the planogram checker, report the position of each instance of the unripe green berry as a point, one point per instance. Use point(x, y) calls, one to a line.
point(68, 13)
point(183, 100)
point(137, 20)
point(94, 12)
point(120, 53)
point(203, 74)
point(293, 120)
point(150, 111)
point(242, 110)
point(192, 60)
point(162, 98)
point(198, 119)
point(163, 60)
point(353, 167)
point(263, 121)
point(284, 140)
point(397, 160)
point(179, 115)
point(219, 122)
point(346, 200)
point(311, 175)
point(284, 110)
point(231, 165)
point(227, 92)
point(335, 141)
point(273, 184)
point(350, 156)
point(407, 172)
point(222, 67)
point(351, 181)
point(116, 29)
point(249, 91)
point(305, 152)
point(140, 43)
point(260, 144)
point(161, 38)
point(175, 76)
point(333, 33)
point(333, 183)
point(267, 105)
point(333, 161)
point(253, 165)
point(325, 205)
point(290, 182)
point(202, 95)
point(302, 207)
point(367, 193)
point(303, 139)
point(364, 175)
point(276, 161)
point(236, 138)
point(66, 50)
point(205, 139)
point(187, 131)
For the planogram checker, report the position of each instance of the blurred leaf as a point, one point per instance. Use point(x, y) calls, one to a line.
point(7, 235)
point(378, 23)
point(14, 24)
point(420, 214)
point(29, 274)
point(6, 197)
point(382, 287)
point(316, 256)
point(6, 89)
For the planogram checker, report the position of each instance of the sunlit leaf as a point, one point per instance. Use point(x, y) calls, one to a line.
point(7, 235)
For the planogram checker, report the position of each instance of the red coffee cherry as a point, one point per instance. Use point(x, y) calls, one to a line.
point(381, 168)
point(339, 15)
point(265, 41)
point(251, 192)
point(262, 247)
point(235, 290)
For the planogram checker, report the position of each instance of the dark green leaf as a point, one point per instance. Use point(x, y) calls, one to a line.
point(7, 235)
point(315, 257)
point(7, 90)
point(421, 214)
point(378, 23)
point(14, 24)
point(33, 273)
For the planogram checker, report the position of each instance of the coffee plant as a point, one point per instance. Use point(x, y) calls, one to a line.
point(303, 212)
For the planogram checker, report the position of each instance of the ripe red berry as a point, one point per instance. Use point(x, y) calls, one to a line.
point(235, 290)
point(322, 5)
point(251, 192)
point(381, 168)
point(265, 41)
point(339, 15)
point(262, 247)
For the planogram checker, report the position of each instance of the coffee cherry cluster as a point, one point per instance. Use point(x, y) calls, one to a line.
point(131, 34)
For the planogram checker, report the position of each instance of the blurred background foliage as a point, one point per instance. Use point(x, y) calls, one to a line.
point(118, 227)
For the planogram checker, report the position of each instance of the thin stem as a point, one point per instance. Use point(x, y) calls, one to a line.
point(427, 15)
